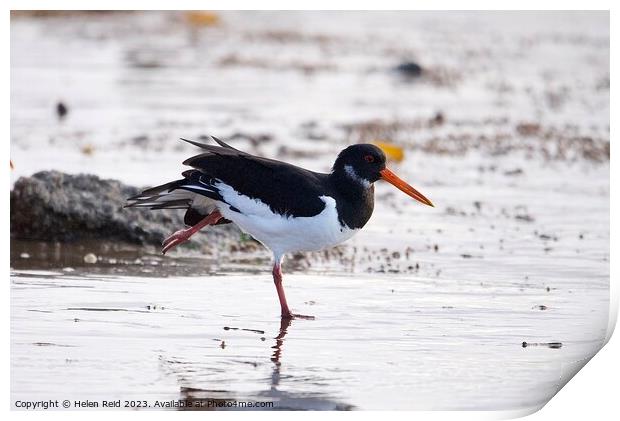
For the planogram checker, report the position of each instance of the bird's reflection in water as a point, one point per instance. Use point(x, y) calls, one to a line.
point(282, 400)
point(277, 348)
point(277, 353)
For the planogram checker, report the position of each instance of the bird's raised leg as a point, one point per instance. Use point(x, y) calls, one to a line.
point(183, 235)
point(277, 280)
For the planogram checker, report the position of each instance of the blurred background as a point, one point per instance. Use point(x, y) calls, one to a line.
point(500, 118)
point(303, 83)
point(469, 105)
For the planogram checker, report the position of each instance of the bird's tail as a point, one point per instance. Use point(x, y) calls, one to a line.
point(167, 196)
point(198, 198)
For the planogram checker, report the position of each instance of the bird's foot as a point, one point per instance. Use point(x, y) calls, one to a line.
point(175, 239)
point(291, 316)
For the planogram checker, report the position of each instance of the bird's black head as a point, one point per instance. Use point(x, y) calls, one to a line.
point(361, 163)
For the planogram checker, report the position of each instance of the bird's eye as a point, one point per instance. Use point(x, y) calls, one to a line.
point(369, 158)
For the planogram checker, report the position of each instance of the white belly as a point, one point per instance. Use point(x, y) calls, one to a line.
point(284, 234)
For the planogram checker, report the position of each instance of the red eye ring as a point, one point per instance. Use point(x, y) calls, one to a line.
point(369, 158)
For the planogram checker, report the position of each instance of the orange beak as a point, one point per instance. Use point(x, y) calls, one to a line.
point(391, 178)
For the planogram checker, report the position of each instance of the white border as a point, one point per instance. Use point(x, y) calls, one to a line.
point(589, 394)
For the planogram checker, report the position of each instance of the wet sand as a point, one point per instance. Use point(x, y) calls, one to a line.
point(491, 300)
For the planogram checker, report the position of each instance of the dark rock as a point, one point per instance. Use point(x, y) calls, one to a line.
point(53, 206)
point(61, 110)
point(516, 171)
point(409, 69)
point(524, 217)
point(437, 120)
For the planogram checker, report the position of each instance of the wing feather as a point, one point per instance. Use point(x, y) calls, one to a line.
point(285, 188)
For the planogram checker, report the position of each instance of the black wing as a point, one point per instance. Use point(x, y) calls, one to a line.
point(285, 188)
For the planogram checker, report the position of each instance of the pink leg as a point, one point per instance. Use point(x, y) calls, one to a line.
point(277, 279)
point(286, 312)
point(182, 236)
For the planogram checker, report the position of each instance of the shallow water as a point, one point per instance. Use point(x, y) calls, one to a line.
point(394, 342)
point(423, 309)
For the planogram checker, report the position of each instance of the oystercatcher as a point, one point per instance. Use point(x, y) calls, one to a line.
point(285, 207)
